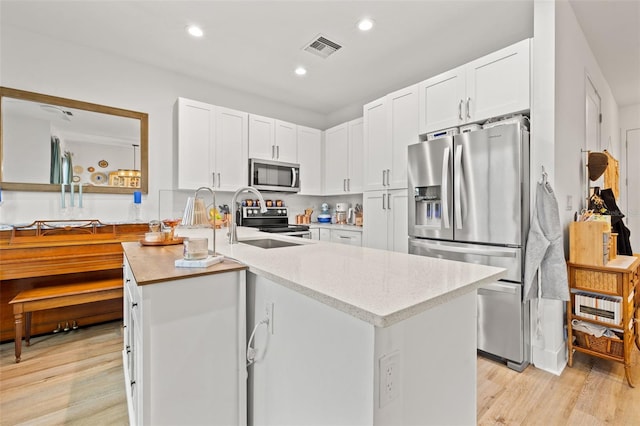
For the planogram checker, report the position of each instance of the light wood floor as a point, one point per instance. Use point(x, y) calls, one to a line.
point(77, 379)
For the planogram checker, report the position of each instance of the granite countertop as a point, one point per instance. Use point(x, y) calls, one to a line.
point(377, 286)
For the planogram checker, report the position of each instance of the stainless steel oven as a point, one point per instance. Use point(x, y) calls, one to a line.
point(275, 220)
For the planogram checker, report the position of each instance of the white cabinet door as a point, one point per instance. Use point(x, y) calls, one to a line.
point(403, 130)
point(314, 233)
point(374, 231)
point(310, 159)
point(353, 238)
point(196, 135)
point(498, 84)
point(492, 86)
point(336, 168)
point(441, 100)
point(261, 137)
point(325, 234)
point(286, 142)
point(385, 220)
point(397, 225)
point(231, 163)
point(376, 149)
point(356, 159)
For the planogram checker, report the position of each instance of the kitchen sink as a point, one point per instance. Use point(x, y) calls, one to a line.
point(268, 243)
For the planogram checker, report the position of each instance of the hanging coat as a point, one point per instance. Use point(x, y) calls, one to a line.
point(545, 251)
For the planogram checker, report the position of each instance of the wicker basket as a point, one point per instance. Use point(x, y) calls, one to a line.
point(603, 345)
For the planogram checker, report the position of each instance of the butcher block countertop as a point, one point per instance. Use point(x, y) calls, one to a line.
point(155, 264)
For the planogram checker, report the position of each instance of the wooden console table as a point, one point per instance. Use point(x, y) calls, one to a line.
point(54, 253)
point(620, 279)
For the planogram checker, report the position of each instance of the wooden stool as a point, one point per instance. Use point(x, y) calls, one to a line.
point(38, 299)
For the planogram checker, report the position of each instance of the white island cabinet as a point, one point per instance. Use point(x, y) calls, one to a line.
point(184, 340)
point(349, 335)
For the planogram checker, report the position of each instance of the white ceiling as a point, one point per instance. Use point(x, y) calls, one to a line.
point(254, 46)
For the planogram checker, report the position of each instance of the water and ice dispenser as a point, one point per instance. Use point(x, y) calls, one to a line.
point(428, 206)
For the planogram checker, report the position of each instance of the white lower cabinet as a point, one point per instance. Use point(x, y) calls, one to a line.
point(341, 236)
point(353, 238)
point(385, 220)
point(184, 350)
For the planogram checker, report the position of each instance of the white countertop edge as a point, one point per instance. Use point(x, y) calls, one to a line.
point(381, 321)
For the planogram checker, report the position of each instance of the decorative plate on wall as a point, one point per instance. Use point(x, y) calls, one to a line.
point(98, 178)
point(78, 169)
point(91, 169)
point(103, 163)
point(76, 178)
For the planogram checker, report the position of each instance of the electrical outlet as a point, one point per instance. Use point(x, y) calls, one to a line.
point(389, 377)
point(269, 314)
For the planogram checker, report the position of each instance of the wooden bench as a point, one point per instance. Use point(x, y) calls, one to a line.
point(37, 299)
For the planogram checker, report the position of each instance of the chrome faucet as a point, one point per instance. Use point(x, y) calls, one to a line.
point(233, 234)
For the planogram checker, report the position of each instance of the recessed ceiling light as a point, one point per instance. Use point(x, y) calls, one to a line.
point(365, 24)
point(195, 31)
point(301, 71)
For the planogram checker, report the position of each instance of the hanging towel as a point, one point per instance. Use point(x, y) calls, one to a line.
point(545, 251)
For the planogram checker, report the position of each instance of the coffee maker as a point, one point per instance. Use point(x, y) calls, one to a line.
point(342, 210)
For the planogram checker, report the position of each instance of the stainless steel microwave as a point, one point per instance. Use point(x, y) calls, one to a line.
point(267, 175)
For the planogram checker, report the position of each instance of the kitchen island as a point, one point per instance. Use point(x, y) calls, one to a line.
point(350, 335)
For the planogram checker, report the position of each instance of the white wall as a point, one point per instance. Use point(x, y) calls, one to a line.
point(629, 119)
point(34, 63)
point(574, 61)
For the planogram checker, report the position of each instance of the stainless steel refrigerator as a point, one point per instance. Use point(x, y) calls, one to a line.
point(469, 201)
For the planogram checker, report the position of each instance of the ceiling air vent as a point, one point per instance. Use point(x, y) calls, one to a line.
point(322, 46)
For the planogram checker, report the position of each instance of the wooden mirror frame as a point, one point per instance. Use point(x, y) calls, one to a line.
point(71, 103)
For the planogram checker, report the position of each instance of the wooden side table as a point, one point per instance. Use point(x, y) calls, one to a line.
point(618, 278)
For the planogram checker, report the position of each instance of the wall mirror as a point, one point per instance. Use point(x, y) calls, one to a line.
point(47, 141)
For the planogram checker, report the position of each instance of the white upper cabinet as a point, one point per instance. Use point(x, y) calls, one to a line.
point(231, 166)
point(212, 146)
point(336, 148)
point(494, 85)
point(343, 158)
point(196, 150)
point(442, 100)
point(390, 125)
point(271, 139)
point(356, 160)
point(310, 159)
point(262, 136)
point(286, 142)
point(376, 143)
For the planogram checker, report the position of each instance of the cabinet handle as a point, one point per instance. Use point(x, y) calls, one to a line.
point(344, 185)
point(389, 201)
point(128, 280)
point(213, 179)
point(383, 175)
point(383, 197)
point(460, 110)
point(219, 180)
point(133, 305)
point(388, 174)
point(273, 152)
point(277, 152)
point(348, 184)
point(468, 107)
point(128, 349)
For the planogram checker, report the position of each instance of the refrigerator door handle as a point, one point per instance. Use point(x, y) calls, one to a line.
point(445, 188)
point(484, 251)
point(457, 207)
